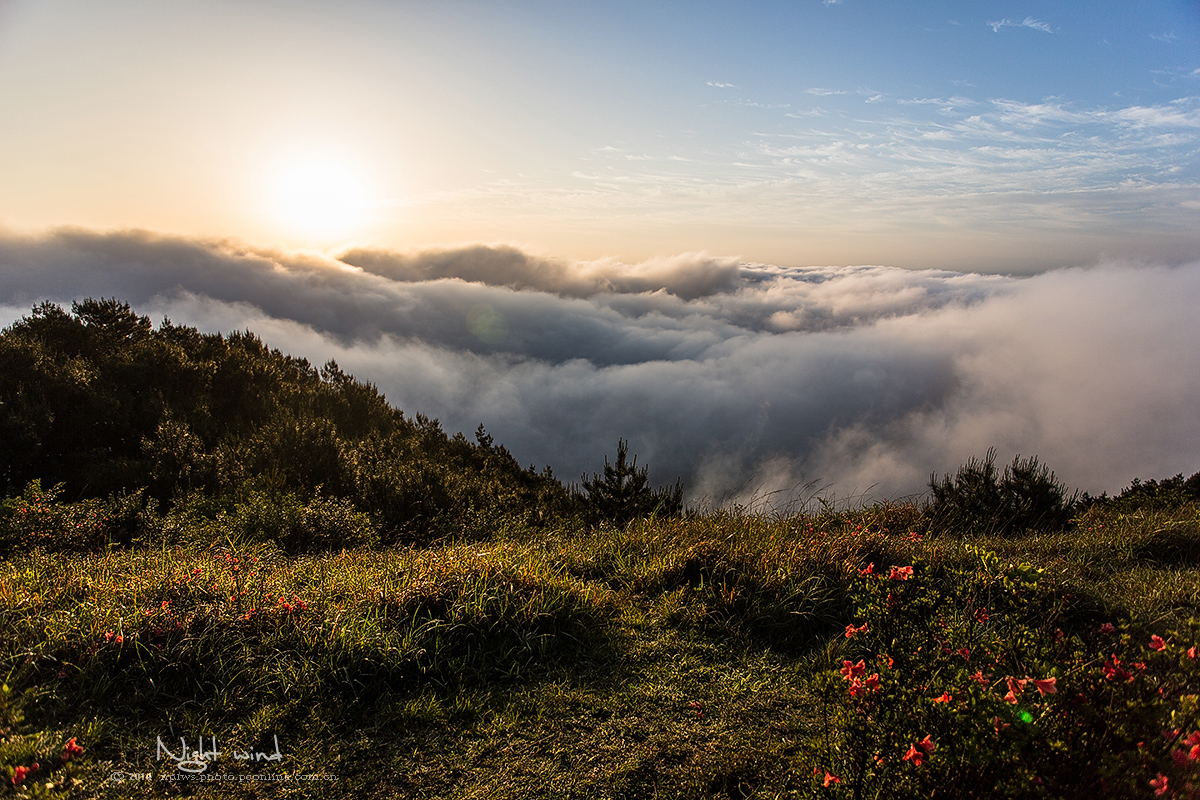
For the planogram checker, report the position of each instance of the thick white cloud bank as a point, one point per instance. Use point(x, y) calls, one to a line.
point(749, 381)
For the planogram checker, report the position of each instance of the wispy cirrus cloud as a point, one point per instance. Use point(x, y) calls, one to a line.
point(900, 162)
point(722, 85)
point(1028, 22)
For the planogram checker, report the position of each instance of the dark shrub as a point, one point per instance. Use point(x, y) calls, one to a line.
point(623, 492)
point(980, 500)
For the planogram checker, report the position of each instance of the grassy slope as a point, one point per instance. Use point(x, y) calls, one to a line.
point(671, 658)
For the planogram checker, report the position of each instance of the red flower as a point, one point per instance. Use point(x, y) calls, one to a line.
point(1045, 686)
point(71, 750)
point(872, 682)
point(1113, 671)
point(1107, 628)
point(945, 698)
point(868, 570)
point(831, 779)
point(853, 671)
point(890, 661)
point(927, 745)
point(900, 573)
point(1157, 643)
point(998, 725)
point(20, 772)
point(965, 653)
point(981, 679)
point(1159, 785)
point(1191, 653)
point(698, 707)
point(917, 757)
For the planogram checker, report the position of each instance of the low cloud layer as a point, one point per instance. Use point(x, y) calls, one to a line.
point(749, 381)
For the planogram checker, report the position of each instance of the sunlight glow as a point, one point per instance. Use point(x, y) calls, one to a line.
point(318, 196)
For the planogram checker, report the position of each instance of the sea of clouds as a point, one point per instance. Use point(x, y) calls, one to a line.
point(753, 383)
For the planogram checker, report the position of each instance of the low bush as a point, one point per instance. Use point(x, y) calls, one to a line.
point(979, 500)
point(970, 682)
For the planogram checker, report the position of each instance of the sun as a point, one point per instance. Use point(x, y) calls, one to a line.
point(319, 196)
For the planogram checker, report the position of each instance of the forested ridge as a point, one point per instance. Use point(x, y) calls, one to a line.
point(99, 403)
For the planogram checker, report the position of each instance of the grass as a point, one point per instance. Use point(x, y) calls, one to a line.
point(668, 658)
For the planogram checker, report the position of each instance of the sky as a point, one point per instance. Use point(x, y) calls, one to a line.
point(992, 136)
point(774, 245)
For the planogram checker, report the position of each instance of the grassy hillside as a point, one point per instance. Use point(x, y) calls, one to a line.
point(421, 617)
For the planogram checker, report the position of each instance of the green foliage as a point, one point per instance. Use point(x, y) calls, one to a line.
point(623, 492)
point(978, 499)
point(100, 403)
point(323, 523)
point(1168, 493)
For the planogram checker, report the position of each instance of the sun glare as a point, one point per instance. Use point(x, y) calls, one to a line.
point(319, 197)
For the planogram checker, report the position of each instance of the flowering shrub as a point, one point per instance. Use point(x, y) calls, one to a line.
point(39, 518)
point(973, 680)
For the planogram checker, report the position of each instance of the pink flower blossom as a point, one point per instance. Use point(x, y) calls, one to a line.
point(1159, 785)
point(1113, 671)
point(916, 756)
point(20, 772)
point(1045, 686)
point(998, 725)
point(868, 570)
point(901, 573)
point(851, 630)
point(1107, 628)
point(945, 698)
point(1157, 643)
point(71, 750)
point(853, 671)
point(830, 779)
point(981, 679)
point(927, 744)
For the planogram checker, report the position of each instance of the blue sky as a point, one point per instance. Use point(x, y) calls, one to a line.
point(1008, 137)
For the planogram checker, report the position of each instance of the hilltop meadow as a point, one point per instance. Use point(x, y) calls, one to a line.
point(227, 573)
